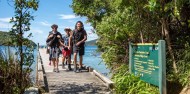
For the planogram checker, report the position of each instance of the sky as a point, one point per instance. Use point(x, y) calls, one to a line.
point(49, 12)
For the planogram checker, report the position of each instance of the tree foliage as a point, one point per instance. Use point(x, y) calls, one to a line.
point(118, 22)
point(10, 71)
point(24, 49)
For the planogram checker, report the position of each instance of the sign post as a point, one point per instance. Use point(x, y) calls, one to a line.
point(148, 60)
point(162, 64)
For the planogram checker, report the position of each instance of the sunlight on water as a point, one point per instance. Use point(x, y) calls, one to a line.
point(93, 58)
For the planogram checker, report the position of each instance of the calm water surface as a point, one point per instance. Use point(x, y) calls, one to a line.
point(91, 58)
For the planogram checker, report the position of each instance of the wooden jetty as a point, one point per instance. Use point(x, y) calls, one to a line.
point(69, 82)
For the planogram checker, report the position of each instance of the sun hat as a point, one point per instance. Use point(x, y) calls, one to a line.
point(67, 28)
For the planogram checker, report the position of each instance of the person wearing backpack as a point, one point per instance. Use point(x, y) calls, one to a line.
point(53, 41)
point(79, 37)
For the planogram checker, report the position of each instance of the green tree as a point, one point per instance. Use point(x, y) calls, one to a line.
point(118, 22)
point(21, 21)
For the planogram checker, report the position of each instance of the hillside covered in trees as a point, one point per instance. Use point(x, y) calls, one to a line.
point(5, 39)
point(91, 42)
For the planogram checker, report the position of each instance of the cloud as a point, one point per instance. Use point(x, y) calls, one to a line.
point(5, 25)
point(36, 30)
point(63, 27)
point(71, 21)
point(7, 19)
point(63, 16)
point(45, 23)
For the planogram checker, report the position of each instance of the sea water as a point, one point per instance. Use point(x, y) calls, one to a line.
point(91, 58)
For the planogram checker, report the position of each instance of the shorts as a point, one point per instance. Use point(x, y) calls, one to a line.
point(54, 52)
point(78, 49)
point(66, 53)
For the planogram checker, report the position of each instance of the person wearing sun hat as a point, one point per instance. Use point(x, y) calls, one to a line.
point(66, 51)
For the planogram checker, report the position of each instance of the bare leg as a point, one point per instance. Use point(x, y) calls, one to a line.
point(75, 58)
point(50, 59)
point(66, 61)
point(63, 59)
point(57, 62)
point(75, 61)
point(81, 59)
point(69, 62)
point(53, 60)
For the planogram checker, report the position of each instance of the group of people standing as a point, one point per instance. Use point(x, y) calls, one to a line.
point(72, 42)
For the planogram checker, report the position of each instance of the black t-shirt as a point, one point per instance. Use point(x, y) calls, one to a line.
point(78, 35)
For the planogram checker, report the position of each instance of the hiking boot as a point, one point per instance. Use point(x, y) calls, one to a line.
point(66, 62)
point(75, 68)
point(82, 68)
point(79, 70)
point(69, 67)
point(54, 70)
point(57, 70)
point(63, 66)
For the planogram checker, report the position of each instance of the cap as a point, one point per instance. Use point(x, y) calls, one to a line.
point(54, 25)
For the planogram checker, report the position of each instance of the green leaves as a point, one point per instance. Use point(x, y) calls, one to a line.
point(33, 4)
point(118, 22)
point(151, 5)
point(93, 9)
point(21, 24)
point(126, 83)
point(10, 71)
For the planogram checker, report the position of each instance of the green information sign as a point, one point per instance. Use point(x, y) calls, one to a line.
point(148, 61)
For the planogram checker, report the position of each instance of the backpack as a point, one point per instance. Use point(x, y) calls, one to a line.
point(53, 41)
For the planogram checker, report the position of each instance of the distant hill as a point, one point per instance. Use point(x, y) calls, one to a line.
point(5, 39)
point(91, 42)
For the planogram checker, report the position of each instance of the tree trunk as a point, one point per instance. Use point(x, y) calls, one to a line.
point(142, 40)
point(168, 41)
point(141, 30)
point(165, 31)
point(20, 40)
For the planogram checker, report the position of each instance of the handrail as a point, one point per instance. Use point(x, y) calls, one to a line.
point(37, 65)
